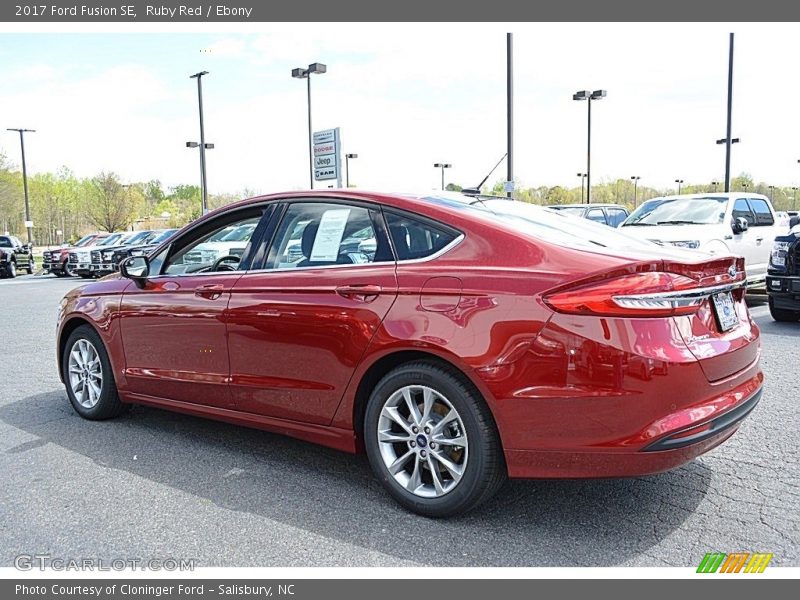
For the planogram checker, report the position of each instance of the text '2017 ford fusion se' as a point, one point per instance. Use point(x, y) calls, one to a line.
point(457, 341)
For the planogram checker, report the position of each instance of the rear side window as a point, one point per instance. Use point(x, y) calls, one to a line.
point(616, 216)
point(762, 211)
point(742, 209)
point(413, 238)
point(596, 215)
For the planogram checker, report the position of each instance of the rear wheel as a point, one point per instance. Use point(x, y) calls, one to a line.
point(783, 315)
point(68, 272)
point(88, 376)
point(11, 269)
point(431, 440)
point(31, 266)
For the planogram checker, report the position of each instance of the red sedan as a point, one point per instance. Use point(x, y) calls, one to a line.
point(457, 341)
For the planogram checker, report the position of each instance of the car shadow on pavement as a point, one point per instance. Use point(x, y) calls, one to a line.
point(528, 523)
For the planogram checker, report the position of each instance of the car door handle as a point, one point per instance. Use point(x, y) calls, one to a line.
point(759, 239)
point(361, 292)
point(212, 291)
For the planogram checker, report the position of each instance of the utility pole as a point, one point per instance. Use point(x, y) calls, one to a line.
point(730, 108)
point(28, 222)
point(510, 107)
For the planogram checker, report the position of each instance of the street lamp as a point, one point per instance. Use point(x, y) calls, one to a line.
point(583, 179)
point(724, 141)
point(679, 182)
point(771, 192)
point(589, 96)
point(442, 166)
point(203, 146)
point(300, 73)
point(794, 198)
point(635, 179)
point(28, 222)
point(744, 185)
point(715, 184)
point(347, 158)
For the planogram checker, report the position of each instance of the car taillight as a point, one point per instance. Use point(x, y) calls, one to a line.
point(653, 294)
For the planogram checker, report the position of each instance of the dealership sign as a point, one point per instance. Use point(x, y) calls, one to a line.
point(328, 155)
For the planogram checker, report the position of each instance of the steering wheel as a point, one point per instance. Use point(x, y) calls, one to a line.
point(218, 266)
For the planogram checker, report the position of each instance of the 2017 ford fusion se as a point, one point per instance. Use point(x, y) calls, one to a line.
point(456, 342)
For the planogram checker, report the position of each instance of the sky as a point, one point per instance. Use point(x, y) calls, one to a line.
point(119, 98)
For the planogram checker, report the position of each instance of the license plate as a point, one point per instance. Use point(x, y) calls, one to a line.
point(725, 310)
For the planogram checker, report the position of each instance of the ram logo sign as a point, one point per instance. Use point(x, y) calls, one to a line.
point(736, 562)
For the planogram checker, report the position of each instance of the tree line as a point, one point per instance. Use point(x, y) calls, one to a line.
point(64, 207)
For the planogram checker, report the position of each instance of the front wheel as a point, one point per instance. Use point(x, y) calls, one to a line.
point(11, 269)
point(88, 377)
point(783, 315)
point(68, 272)
point(431, 440)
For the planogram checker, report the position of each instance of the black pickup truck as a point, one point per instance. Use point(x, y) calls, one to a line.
point(14, 255)
point(783, 275)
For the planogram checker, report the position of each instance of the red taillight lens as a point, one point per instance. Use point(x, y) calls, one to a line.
point(653, 294)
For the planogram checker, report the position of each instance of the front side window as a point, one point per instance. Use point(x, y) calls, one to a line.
point(596, 215)
point(762, 212)
point(413, 238)
point(315, 234)
point(616, 216)
point(220, 249)
point(742, 209)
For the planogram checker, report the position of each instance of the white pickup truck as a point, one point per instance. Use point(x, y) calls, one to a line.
point(732, 223)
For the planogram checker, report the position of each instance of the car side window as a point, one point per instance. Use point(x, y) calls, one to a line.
point(742, 209)
point(762, 212)
point(413, 238)
point(317, 234)
point(616, 216)
point(597, 215)
point(6, 242)
point(220, 249)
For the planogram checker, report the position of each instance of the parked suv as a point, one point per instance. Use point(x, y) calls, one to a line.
point(606, 214)
point(783, 276)
point(102, 258)
point(80, 259)
point(718, 223)
point(14, 255)
point(141, 250)
point(57, 261)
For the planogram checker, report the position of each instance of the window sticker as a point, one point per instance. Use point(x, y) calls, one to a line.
point(329, 235)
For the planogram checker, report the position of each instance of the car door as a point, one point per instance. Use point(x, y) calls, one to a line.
point(744, 242)
point(298, 326)
point(173, 327)
point(763, 234)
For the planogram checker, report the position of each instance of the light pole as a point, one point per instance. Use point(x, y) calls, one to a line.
point(728, 134)
point(744, 186)
point(300, 73)
point(442, 166)
point(589, 96)
point(635, 179)
point(202, 145)
point(510, 109)
point(679, 182)
point(715, 184)
point(794, 198)
point(771, 193)
point(583, 180)
point(347, 158)
point(28, 225)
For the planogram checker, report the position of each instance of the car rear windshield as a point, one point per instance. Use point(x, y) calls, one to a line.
point(679, 211)
point(550, 225)
point(162, 236)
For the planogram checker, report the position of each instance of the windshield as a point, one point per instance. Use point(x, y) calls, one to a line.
point(240, 234)
point(678, 211)
point(85, 239)
point(112, 239)
point(162, 236)
point(5, 243)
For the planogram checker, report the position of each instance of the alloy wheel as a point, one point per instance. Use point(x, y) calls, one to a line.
point(422, 441)
point(85, 373)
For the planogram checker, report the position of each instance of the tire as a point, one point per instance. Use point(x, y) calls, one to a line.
point(31, 266)
point(11, 269)
point(782, 315)
point(67, 270)
point(480, 459)
point(94, 399)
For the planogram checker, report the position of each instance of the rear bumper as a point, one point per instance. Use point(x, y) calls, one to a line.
point(674, 440)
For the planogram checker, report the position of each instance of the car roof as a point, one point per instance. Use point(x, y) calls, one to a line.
point(579, 205)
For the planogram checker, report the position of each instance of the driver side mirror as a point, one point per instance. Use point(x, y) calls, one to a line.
point(739, 225)
point(794, 222)
point(136, 268)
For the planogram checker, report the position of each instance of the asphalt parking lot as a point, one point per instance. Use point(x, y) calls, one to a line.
point(157, 484)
